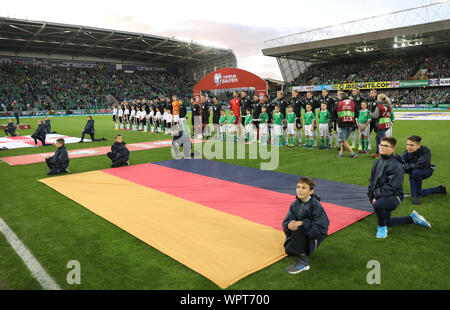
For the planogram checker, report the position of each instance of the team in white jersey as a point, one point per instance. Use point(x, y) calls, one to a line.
point(126, 117)
point(116, 126)
point(130, 117)
point(120, 114)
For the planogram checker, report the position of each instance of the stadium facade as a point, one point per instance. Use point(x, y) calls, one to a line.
point(82, 46)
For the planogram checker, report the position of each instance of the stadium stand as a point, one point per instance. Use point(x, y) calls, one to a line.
point(380, 69)
point(45, 88)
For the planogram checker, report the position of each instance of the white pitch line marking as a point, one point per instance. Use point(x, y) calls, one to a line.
point(37, 271)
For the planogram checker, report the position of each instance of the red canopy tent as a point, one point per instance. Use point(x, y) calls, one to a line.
point(230, 78)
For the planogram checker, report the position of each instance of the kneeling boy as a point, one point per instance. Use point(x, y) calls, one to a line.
point(119, 153)
point(59, 162)
point(11, 128)
point(305, 225)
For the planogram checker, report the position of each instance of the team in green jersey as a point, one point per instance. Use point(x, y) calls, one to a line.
point(276, 124)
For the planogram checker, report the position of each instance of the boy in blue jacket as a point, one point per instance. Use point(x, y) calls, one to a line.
point(417, 163)
point(305, 225)
point(90, 130)
point(11, 128)
point(119, 154)
point(48, 126)
point(385, 189)
point(40, 134)
point(59, 162)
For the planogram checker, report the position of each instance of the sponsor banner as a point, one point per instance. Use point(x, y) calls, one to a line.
point(76, 65)
point(445, 82)
point(140, 68)
point(439, 82)
point(348, 86)
point(434, 82)
point(104, 111)
point(425, 116)
point(14, 60)
point(5, 61)
point(367, 85)
point(394, 84)
point(308, 88)
point(429, 106)
point(225, 79)
point(415, 83)
point(420, 109)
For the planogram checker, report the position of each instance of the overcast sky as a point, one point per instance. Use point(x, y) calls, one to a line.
point(241, 25)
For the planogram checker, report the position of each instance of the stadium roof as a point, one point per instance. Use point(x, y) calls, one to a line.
point(386, 42)
point(23, 37)
point(415, 30)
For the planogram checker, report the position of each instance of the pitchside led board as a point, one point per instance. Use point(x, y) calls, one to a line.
point(229, 78)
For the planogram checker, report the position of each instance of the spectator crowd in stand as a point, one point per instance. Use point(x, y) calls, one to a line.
point(35, 88)
point(45, 88)
point(395, 68)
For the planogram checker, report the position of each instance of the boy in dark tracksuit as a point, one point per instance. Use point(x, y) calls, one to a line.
point(417, 163)
point(181, 139)
point(90, 130)
point(385, 189)
point(48, 126)
point(305, 225)
point(11, 128)
point(119, 153)
point(40, 134)
point(59, 162)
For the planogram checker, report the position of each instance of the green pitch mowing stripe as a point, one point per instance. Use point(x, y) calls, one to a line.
point(411, 257)
point(27, 257)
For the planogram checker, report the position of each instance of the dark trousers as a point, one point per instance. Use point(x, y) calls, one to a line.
point(13, 134)
point(16, 115)
point(216, 130)
point(415, 183)
point(381, 133)
point(186, 144)
point(297, 244)
point(116, 163)
point(53, 169)
point(92, 137)
point(383, 208)
point(42, 141)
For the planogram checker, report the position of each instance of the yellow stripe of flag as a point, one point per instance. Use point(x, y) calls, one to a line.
point(222, 247)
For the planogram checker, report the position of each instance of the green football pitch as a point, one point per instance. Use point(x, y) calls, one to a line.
point(57, 230)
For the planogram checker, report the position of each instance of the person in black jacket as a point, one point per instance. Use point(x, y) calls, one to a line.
point(11, 128)
point(181, 139)
point(385, 189)
point(183, 113)
point(314, 104)
point(40, 134)
point(59, 162)
point(119, 154)
point(417, 163)
point(246, 104)
point(357, 99)
point(16, 111)
point(90, 130)
point(283, 104)
point(48, 126)
point(256, 108)
point(305, 225)
point(195, 117)
point(298, 104)
point(216, 107)
point(332, 108)
point(372, 105)
point(205, 117)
